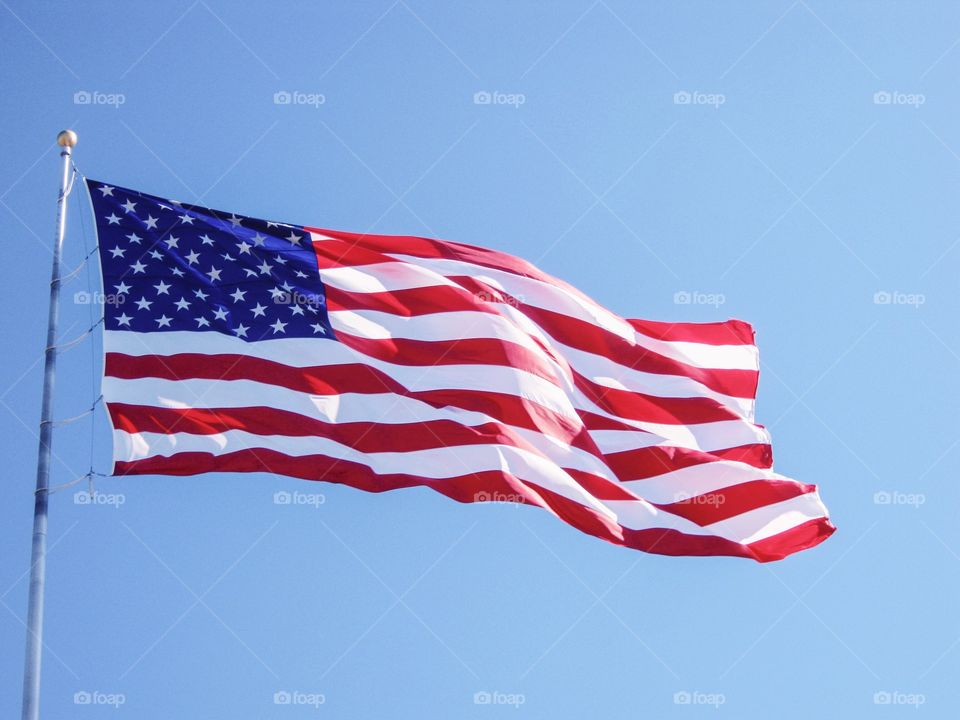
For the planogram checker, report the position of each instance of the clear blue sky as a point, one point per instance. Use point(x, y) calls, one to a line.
point(785, 188)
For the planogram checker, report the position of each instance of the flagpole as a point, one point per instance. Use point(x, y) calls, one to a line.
point(38, 558)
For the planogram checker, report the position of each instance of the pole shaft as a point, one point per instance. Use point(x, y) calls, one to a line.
point(38, 558)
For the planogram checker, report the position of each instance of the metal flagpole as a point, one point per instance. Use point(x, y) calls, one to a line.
point(38, 559)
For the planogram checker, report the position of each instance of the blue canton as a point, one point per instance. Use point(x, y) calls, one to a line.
point(170, 266)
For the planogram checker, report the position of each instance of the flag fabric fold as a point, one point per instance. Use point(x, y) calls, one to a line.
point(234, 344)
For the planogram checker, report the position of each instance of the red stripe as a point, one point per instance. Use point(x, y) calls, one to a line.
point(728, 502)
point(643, 463)
point(475, 487)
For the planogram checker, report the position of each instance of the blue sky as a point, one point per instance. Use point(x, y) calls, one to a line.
point(796, 165)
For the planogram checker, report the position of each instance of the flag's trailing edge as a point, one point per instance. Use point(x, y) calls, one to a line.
point(239, 345)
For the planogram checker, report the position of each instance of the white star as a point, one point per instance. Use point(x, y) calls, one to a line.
point(182, 304)
point(117, 252)
point(151, 222)
point(134, 238)
point(122, 288)
point(300, 274)
point(258, 240)
point(281, 259)
point(186, 219)
point(294, 238)
point(241, 330)
point(138, 267)
point(318, 328)
point(200, 294)
point(265, 268)
point(129, 205)
point(112, 219)
point(228, 257)
point(192, 257)
point(176, 271)
point(286, 286)
point(106, 190)
point(206, 240)
point(278, 327)
point(162, 288)
point(297, 310)
point(214, 273)
point(258, 310)
point(271, 224)
point(220, 314)
point(244, 247)
point(202, 322)
point(235, 220)
point(144, 304)
point(156, 254)
point(277, 293)
point(250, 273)
point(238, 294)
point(163, 321)
point(172, 241)
point(124, 320)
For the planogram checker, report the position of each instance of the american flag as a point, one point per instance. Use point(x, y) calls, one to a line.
point(380, 362)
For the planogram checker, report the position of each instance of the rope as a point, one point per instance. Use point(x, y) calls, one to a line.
point(67, 421)
point(72, 343)
point(86, 476)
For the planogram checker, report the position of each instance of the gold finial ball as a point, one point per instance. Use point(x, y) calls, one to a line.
point(67, 138)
